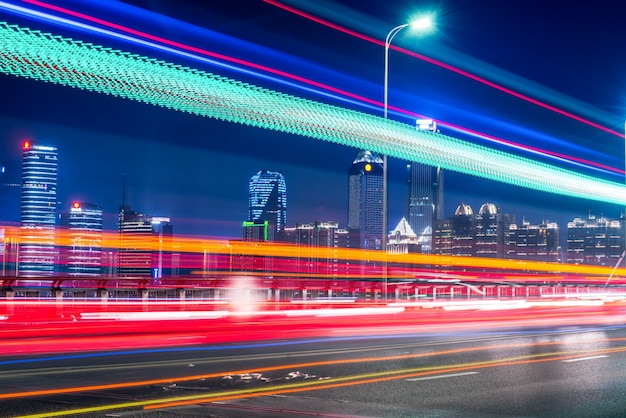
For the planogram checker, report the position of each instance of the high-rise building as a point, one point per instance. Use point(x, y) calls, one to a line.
point(37, 252)
point(267, 200)
point(81, 243)
point(462, 226)
point(143, 245)
point(424, 200)
point(365, 200)
point(534, 242)
point(424, 194)
point(598, 241)
point(491, 227)
point(316, 250)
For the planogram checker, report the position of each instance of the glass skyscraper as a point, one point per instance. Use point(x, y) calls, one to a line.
point(424, 201)
point(82, 243)
point(37, 252)
point(365, 200)
point(267, 199)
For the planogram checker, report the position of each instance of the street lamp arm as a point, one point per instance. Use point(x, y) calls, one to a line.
point(392, 34)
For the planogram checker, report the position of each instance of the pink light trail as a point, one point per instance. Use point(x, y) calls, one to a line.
point(270, 70)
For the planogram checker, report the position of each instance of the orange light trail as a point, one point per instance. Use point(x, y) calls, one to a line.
point(296, 366)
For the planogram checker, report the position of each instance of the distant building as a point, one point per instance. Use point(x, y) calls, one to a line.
point(424, 194)
point(534, 242)
point(597, 241)
point(365, 200)
point(402, 240)
point(267, 200)
point(442, 237)
point(316, 250)
point(491, 228)
point(37, 252)
point(462, 227)
point(81, 240)
point(258, 231)
point(143, 245)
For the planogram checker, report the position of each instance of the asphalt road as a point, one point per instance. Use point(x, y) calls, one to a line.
point(514, 371)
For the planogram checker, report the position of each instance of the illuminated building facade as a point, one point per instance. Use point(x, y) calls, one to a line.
point(402, 240)
point(81, 252)
point(267, 199)
point(315, 250)
point(365, 200)
point(462, 226)
point(534, 242)
point(491, 226)
point(143, 247)
point(424, 194)
point(598, 241)
point(37, 251)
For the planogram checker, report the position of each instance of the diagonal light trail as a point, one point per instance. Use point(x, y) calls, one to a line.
point(283, 77)
point(72, 63)
point(441, 64)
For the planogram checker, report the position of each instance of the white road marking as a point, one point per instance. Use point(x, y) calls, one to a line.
point(441, 376)
point(583, 359)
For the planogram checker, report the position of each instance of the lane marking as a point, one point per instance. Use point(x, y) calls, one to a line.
point(441, 376)
point(583, 359)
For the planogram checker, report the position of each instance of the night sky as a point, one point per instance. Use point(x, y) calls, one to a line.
point(196, 170)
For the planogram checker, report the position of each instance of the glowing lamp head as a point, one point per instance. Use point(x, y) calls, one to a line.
point(76, 205)
point(421, 24)
point(368, 167)
point(26, 145)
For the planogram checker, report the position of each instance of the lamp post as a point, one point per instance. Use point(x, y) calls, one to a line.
point(419, 24)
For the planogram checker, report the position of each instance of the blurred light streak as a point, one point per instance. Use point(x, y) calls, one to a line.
point(297, 366)
point(195, 92)
point(412, 269)
point(153, 316)
point(584, 358)
point(345, 312)
point(366, 379)
point(344, 96)
point(442, 65)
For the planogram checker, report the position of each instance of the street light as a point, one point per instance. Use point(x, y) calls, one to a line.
point(421, 24)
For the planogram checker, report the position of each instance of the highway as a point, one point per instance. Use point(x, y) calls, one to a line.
point(543, 361)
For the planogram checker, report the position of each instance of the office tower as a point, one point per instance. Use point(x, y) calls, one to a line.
point(365, 200)
point(462, 227)
point(442, 237)
point(534, 242)
point(424, 200)
point(81, 240)
point(598, 241)
point(267, 199)
point(144, 249)
point(316, 251)
point(424, 193)
point(490, 230)
point(37, 252)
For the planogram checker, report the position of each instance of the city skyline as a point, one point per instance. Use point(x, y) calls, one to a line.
point(169, 157)
point(304, 216)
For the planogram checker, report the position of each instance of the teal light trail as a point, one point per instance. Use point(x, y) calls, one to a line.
point(72, 63)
